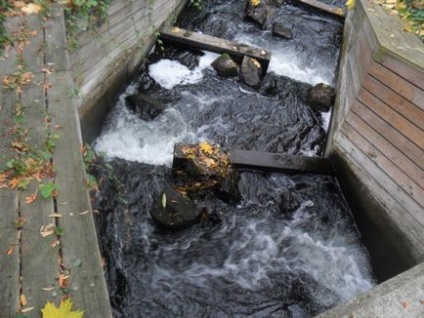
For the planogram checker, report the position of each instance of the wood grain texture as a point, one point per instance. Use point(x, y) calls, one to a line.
point(40, 266)
point(397, 122)
point(9, 235)
point(414, 193)
point(386, 186)
point(385, 146)
point(396, 138)
point(79, 242)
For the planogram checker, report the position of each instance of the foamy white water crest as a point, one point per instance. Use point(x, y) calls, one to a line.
point(169, 74)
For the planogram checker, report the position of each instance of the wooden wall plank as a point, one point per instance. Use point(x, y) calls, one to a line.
point(40, 266)
point(415, 194)
point(9, 235)
point(403, 144)
point(33, 55)
point(56, 55)
point(366, 129)
point(393, 118)
point(402, 106)
point(79, 242)
point(408, 72)
point(389, 186)
point(396, 83)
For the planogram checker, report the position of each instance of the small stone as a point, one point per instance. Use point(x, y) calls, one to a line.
point(225, 66)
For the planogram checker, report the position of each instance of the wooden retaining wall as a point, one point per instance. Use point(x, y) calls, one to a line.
point(376, 137)
point(108, 57)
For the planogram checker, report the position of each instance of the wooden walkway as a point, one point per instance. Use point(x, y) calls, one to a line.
point(37, 265)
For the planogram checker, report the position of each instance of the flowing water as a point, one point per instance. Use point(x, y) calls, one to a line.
point(289, 247)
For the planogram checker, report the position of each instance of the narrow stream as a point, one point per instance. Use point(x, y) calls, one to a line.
point(288, 247)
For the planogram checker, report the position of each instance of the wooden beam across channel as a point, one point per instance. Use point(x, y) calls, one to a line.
point(267, 161)
point(214, 44)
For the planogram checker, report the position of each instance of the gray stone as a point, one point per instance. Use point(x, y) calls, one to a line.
point(279, 29)
point(144, 106)
point(251, 71)
point(175, 211)
point(321, 97)
point(225, 66)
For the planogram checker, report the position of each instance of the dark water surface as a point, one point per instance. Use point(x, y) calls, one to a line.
point(289, 248)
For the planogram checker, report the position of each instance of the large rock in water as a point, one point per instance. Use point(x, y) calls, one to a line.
point(251, 71)
point(225, 66)
point(262, 12)
point(174, 211)
point(144, 106)
point(321, 97)
point(279, 29)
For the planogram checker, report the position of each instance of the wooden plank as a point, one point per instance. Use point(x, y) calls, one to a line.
point(408, 225)
point(320, 6)
point(390, 188)
point(412, 190)
point(392, 117)
point(405, 89)
point(392, 39)
point(33, 55)
point(409, 73)
point(40, 267)
point(393, 136)
point(266, 161)
point(386, 95)
point(79, 242)
point(385, 147)
point(105, 43)
point(9, 235)
point(214, 44)
point(56, 55)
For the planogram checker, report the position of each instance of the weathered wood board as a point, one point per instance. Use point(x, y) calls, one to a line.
point(217, 45)
point(266, 161)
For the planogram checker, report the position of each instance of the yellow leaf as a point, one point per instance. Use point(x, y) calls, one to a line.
point(63, 311)
point(23, 300)
point(164, 200)
point(31, 8)
point(206, 148)
point(350, 4)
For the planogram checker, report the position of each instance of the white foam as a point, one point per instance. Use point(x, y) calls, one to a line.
point(168, 73)
point(326, 117)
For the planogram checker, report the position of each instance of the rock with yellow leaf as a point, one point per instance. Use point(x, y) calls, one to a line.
point(174, 210)
point(199, 166)
point(251, 71)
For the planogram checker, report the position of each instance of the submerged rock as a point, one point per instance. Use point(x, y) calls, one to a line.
point(251, 71)
point(144, 106)
point(225, 66)
point(175, 211)
point(321, 97)
point(279, 29)
point(261, 12)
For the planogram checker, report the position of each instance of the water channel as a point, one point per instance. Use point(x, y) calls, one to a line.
point(288, 247)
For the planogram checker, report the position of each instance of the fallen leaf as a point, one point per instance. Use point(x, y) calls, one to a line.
point(164, 200)
point(64, 310)
point(47, 289)
point(206, 147)
point(55, 215)
point(31, 8)
point(30, 199)
point(85, 212)
point(406, 304)
point(47, 230)
point(9, 251)
point(55, 243)
point(23, 300)
point(350, 4)
point(24, 310)
point(63, 280)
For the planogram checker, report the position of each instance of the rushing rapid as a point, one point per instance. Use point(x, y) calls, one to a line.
point(289, 247)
